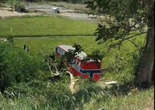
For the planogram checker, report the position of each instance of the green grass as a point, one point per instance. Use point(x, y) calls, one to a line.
point(45, 26)
point(135, 100)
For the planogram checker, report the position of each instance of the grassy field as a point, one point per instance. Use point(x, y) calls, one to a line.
point(42, 94)
point(45, 26)
point(135, 100)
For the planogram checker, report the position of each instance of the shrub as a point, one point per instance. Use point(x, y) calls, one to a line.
point(16, 5)
point(20, 7)
point(16, 65)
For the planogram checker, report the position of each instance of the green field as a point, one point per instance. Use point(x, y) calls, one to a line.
point(42, 94)
point(45, 26)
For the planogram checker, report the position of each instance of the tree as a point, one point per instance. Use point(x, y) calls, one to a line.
point(128, 19)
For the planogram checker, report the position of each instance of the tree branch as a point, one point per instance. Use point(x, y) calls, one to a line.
point(133, 36)
point(118, 43)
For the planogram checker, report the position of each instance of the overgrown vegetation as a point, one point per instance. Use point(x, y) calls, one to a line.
point(16, 5)
point(16, 65)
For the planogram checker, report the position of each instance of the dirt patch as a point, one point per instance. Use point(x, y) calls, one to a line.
point(76, 16)
point(6, 12)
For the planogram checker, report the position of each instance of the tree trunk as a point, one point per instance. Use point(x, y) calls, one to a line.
point(146, 68)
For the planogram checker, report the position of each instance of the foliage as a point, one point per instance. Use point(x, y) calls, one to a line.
point(12, 4)
point(55, 64)
point(96, 55)
point(121, 18)
point(18, 66)
point(16, 5)
point(20, 7)
point(2, 1)
point(71, 54)
point(124, 20)
point(11, 40)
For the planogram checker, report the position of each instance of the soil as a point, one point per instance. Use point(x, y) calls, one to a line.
point(6, 12)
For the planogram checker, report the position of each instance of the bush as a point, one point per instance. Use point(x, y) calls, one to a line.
point(16, 5)
point(20, 7)
point(16, 66)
